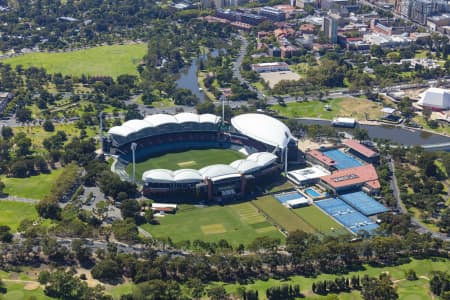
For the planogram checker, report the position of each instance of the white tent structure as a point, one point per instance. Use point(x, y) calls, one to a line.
point(435, 98)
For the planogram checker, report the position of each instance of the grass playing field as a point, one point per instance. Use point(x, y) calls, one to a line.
point(281, 215)
point(12, 213)
point(98, 61)
point(320, 221)
point(192, 159)
point(236, 223)
point(34, 187)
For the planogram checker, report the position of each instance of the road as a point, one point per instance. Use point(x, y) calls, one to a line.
point(396, 192)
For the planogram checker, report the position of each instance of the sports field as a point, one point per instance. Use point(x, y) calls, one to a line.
point(111, 60)
point(192, 159)
point(12, 213)
point(281, 214)
point(236, 223)
point(320, 221)
point(34, 187)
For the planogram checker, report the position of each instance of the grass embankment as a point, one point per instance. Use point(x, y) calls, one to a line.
point(111, 60)
point(340, 107)
point(34, 187)
point(192, 159)
point(236, 223)
point(281, 215)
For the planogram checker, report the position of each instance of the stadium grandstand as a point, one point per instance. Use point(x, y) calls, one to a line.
point(264, 139)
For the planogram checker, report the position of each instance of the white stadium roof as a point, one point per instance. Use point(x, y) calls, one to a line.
point(245, 166)
point(263, 128)
point(156, 120)
point(435, 98)
point(216, 172)
point(263, 158)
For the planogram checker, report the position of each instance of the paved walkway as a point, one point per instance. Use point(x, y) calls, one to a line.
point(19, 199)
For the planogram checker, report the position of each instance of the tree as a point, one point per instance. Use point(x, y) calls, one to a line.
point(196, 288)
point(130, 209)
point(378, 289)
point(7, 132)
point(23, 115)
point(5, 234)
point(48, 126)
point(23, 144)
point(107, 270)
point(361, 134)
point(217, 293)
point(2, 187)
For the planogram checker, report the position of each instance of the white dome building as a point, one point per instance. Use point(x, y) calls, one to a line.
point(435, 99)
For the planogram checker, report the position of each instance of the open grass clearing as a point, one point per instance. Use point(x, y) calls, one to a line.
point(34, 187)
point(192, 159)
point(410, 290)
point(281, 215)
point(37, 134)
point(12, 213)
point(20, 291)
point(320, 221)
point(340, 107)
point(111, 60)
point(212, 224)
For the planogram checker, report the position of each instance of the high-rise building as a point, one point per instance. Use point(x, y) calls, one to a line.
point(330, 28)
point(420, 10)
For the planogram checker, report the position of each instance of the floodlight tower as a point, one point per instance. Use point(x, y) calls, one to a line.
point(133, 150)
point(100, 130)
point(286, 161)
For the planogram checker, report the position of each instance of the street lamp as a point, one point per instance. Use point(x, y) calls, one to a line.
point(100, 130)
point(133, 150)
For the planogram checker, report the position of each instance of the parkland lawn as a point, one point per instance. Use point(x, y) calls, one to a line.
point(192, 159)
point(111, 60)
point(236, 223)
point(407, 290)
point(12, 213)
point(340, 107)
point(34, 187)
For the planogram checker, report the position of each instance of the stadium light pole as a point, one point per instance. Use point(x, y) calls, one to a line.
point(223, 109)
point(285, 161)
point(100, 130)
point(133, 150)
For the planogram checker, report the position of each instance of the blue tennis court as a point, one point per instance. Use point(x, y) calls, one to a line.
point(343, 161)
point(283, 198)
point(312, 192)
point(364, 203)
point(346, 215)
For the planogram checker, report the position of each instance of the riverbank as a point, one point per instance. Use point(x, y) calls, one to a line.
point(396, 133)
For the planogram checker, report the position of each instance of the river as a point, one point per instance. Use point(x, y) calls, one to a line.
point(404, 136)
point(188, 76)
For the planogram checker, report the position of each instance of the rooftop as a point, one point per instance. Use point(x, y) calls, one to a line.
point(353, 176)
point(321, 157)
point(360, 148)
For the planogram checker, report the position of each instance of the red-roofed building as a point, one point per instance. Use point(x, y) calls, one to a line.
point(364, 177)
point(362, 151)
point(317, 157)
point(307, 28)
